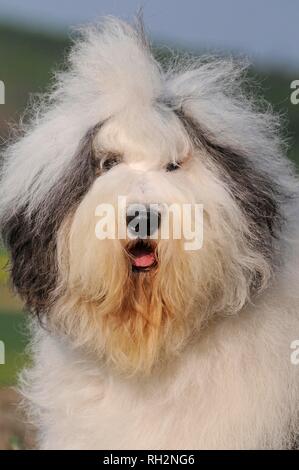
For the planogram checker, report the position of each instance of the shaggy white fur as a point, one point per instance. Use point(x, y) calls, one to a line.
point(192, 355)
point(235, 389)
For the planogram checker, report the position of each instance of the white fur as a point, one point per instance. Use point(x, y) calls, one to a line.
point(232, 385)
point(235, 389)
point(109, 70)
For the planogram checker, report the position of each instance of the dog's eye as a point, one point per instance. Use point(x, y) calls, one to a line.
point(109, 162)
point(173, 166)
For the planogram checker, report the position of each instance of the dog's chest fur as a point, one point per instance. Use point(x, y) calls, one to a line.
point(231, 390)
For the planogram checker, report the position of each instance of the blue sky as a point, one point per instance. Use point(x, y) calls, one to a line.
point(265, 30)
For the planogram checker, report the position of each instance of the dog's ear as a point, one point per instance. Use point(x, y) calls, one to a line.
point(30, 236)
point(258, 196)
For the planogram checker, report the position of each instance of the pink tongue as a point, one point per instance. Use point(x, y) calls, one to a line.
point(144, 260)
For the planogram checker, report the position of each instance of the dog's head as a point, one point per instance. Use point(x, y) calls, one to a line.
point(118, 127)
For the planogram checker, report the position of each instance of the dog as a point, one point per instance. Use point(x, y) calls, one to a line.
point(138, 342)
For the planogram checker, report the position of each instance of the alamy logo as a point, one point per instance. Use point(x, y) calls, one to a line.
point(2, 92)
point(2, 353)
point(295, 354)
point(151, 221)
point(295, 93)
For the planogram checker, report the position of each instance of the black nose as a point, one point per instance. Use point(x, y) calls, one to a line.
point(143, 221)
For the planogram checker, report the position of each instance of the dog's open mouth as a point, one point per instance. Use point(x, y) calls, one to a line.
point(142, 255)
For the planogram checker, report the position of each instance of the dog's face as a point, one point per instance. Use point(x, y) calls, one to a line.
point(138, 301)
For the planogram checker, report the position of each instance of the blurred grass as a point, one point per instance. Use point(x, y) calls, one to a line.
point(12, 327)
point(3, 263)
point(13, 334)
point(27, 59)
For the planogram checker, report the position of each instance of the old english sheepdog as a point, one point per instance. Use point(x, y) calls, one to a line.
point(138, 342)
